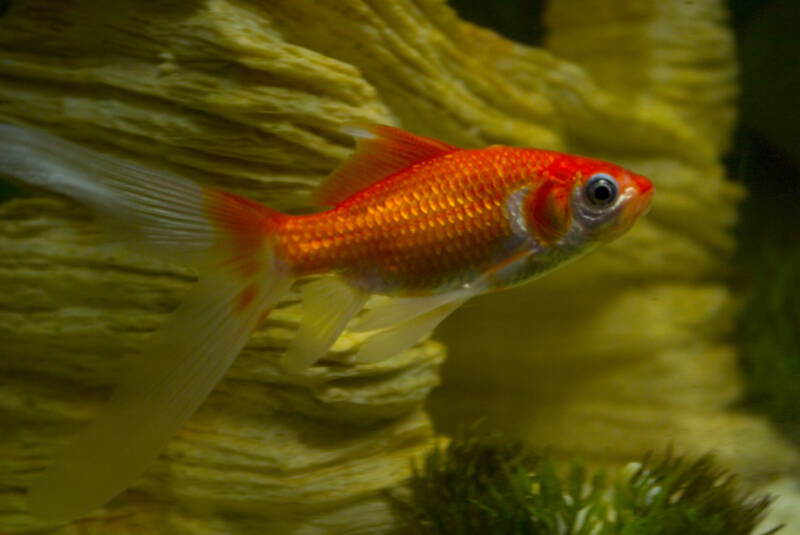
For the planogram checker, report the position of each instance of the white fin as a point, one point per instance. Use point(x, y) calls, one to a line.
point(229, 239)
point(403, 309)
point(147, 209)
point(179, 367)
point(393, 340)
point(406, 320)
point(328, 304)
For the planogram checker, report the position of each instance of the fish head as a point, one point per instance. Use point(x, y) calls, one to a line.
point(608, 200)
point(582, 201)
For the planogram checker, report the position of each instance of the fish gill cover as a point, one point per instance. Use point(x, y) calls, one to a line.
point(620, 351)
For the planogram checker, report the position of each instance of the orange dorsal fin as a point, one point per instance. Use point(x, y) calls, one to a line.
point(381, 151)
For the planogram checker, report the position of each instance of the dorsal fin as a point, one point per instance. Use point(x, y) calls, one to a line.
point(381, 151)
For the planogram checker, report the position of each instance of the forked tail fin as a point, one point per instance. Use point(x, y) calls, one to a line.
point(226, 237)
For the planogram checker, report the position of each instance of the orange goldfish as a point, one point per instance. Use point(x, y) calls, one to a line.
point(411, 217)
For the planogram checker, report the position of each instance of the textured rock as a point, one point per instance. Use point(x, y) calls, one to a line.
point(618, 353)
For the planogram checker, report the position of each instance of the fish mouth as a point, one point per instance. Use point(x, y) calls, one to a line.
point(645, 196)
point(641, 198)
point(643, 202)
point(637, 206)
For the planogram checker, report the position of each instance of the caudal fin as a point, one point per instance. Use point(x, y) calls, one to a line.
point(226, 237)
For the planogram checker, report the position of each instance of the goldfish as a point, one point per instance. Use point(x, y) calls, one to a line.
point(429, 224)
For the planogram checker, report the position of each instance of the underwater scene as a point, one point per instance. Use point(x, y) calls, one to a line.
point(399, 267)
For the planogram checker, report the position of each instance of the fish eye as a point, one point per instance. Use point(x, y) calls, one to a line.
point(600, 190)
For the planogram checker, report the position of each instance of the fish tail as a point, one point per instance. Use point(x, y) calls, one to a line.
point(229, 240)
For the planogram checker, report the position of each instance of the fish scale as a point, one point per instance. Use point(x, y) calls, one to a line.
point(413, 240)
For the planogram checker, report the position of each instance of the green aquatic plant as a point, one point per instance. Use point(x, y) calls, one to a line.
point(485, 484)
point(770, 340)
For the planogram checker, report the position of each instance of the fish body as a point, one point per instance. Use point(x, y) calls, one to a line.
point(439, 224)
point(430, 227)
point(427, 223)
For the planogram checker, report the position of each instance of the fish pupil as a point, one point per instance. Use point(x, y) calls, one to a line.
point(602, 192)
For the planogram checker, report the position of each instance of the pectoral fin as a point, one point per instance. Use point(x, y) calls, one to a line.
point(328, 304)
point(401, 336)
point(400, 310)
